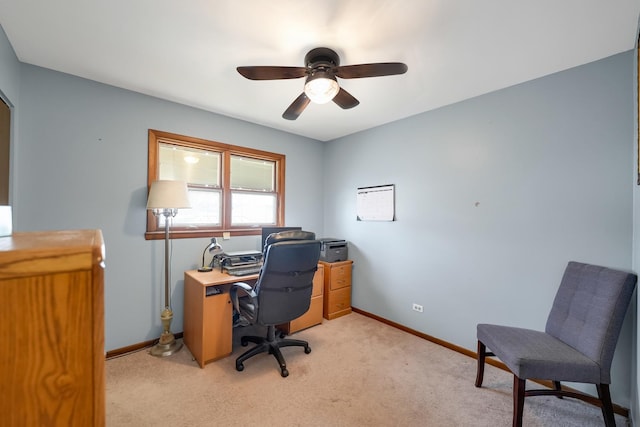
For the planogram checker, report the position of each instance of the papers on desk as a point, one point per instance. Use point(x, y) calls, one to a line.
point(243, 270)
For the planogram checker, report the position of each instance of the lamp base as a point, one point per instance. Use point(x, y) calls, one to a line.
point(166, 346)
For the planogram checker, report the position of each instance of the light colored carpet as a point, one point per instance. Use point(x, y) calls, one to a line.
point(360, 372)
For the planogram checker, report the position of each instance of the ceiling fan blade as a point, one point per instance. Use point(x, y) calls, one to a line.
point(345, 100)
point(272, 73)
point(296, 108)
point(370, 70)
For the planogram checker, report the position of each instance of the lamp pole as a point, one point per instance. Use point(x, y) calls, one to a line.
point(164, 199)
point(167, 344)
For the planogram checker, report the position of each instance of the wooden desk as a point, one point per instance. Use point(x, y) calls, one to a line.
point(208, 327)
point(208, 323)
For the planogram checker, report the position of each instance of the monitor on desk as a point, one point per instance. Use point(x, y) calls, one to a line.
point(270, 230)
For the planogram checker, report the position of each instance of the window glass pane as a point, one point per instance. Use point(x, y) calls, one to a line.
point(190, 165)
point(252, 174)
point(205, 209)
point(253, 208)
point(232, 188)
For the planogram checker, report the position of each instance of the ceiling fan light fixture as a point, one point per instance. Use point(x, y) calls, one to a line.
point(321, 69)
point(321, 87)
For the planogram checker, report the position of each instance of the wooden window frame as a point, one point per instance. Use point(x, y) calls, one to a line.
point(154, 232)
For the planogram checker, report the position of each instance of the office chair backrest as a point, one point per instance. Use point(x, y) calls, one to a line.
point(285, 283)
point(589, 309)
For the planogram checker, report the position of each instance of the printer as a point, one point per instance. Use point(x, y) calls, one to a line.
point(333, 250)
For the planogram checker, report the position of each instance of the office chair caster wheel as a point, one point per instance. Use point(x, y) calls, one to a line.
point(244, 342)
point(307, 350)
point(284, 373)
point(239, 367)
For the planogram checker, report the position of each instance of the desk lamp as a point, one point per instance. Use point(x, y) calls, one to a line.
point(165, 198)
point(215, 249)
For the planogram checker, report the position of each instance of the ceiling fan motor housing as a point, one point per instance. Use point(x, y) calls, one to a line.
point(322, 56)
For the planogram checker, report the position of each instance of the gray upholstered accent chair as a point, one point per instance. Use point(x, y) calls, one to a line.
point(578, 343)
point(281, 294)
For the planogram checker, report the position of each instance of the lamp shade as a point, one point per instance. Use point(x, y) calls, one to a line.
point(321, 87)
point(166, 194)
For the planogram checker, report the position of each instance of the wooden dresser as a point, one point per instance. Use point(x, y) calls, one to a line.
point(337, 288)
point(52, 324)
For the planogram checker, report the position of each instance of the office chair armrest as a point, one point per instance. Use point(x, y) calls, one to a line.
point(245, 290)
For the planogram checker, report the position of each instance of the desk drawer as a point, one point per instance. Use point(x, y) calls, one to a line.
point(340, 276)
point(337, 303)
point(311, 318)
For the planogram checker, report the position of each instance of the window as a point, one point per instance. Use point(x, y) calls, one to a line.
point(231, 189)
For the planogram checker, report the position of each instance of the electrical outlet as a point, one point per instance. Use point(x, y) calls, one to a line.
point(417, 307)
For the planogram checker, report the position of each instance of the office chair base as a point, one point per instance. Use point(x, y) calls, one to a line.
point(270, 345)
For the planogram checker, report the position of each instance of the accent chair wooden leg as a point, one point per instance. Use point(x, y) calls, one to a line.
point(482, 350)
point(557, 387)
point(518, 400)
point(607, 406)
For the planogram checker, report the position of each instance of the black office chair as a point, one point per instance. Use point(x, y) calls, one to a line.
point(281, 294)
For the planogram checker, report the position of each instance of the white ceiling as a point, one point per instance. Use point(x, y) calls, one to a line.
point(187, 51)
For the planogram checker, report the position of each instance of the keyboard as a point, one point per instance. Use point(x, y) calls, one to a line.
point(244, 270)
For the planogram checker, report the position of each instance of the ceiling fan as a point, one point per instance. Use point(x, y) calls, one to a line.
point(322, 66)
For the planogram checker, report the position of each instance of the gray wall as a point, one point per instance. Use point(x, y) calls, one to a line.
point(635, 368)
point(83, 164)
point(494, 196)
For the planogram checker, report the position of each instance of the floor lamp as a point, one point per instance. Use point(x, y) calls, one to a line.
point(165, 198)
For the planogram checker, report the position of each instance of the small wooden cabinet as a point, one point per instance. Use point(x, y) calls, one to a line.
point(314, 315)
point(52, 324)
point(337, 288)
point(208, 312)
